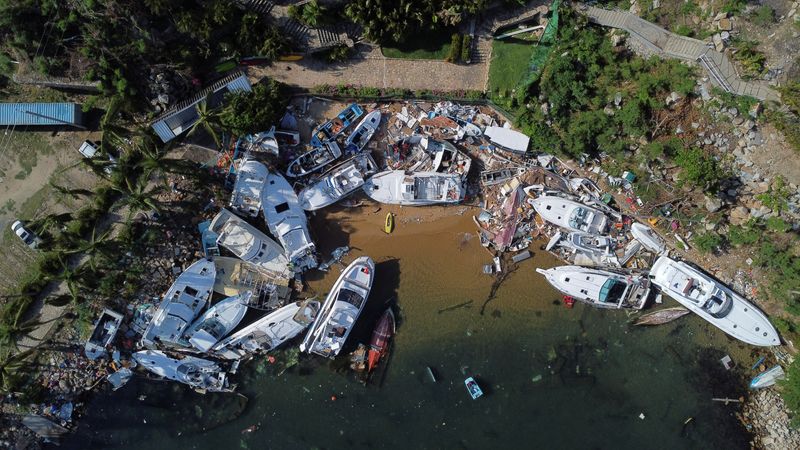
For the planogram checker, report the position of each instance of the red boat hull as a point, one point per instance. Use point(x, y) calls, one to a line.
point(381, 336)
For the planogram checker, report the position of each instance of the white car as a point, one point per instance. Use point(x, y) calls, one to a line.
point(28, 237)
point(89, 150)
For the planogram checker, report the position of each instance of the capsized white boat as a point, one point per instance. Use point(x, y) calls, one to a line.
point(196, 372)
point(314, 160)
point(414, 188)
point(447, 158)
point(249, 244)
point(364, 131)
point(649, 238)
point(287, 222)
point(600, 288)
point(569, 214)
point(768, 377)
point(338, 183)
point(269, 332)
point(713, 301)
point(217, 322)
point(103, 334)
point(341, 309)
point(182, 302)
point(246, 196)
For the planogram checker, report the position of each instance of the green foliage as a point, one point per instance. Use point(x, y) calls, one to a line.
point(776, 198)
point(466, 48)
point(790, 390)
point(777, 224)
point(742, 235)
point(455, 48)
point(782, 267)
point(734, 7)
point(424, 44)
point(725, 99)
point(336, 54)
point(707, 242)
point(763, 16)
point(684, 30)
point(749, 56)
point(252, 112)
point(698, 169)
point(351, 91)
point(659, 149)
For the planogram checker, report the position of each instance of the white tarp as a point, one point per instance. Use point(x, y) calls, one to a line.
point(508, 139)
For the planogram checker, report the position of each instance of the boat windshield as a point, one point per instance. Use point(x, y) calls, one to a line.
point(719, 305)
point(578, 218)
point(612, 291)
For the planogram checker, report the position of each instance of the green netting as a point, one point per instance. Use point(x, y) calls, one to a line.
point(543, 47)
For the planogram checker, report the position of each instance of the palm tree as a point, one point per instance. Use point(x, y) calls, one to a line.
point(96, 245)
point(46, 222)
point(11, 332)
point(12, 368)
point(208, 119)
point(74, 193)
point(74, 278)
point(136, 197)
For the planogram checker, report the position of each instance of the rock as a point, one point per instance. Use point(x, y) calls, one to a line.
point(733, 112)
point(163, 99)
point(725, 24)
point(617, 40)
point(755, 110)
point(618, 99)
point(720, 16)
point(739, 215)
point(713, 204)
point(609, 110)
point(673, 97)
point(760, 212)
point(719, 45)
point(738, 120)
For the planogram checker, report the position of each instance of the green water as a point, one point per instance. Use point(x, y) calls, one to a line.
point(553, 377)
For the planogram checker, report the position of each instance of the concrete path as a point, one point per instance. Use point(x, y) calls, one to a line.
point(671, 45)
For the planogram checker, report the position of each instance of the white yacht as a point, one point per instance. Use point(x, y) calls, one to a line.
point(181, 304)
point(447, 158)
point(196, 372)
point(314, 159)
point(217, 322)
point(287, 222)
point(569, 214)
point(249, 244)
point(414, 188)
point(364, 131)
point(600, 288)
point(337, 184)
point(713, 301)
point(341, 309)
point(246, 196)
point(269, 332)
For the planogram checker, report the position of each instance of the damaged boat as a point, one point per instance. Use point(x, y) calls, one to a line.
point(181, 304)
point(648, 238)
point(571, 215)
point(364, 131)
point(269, 332)
point(379, 343)
point(217, 322)
point(249, 244)
point(341, 309)
point(196, 372)
point(447, 158)
point(414, 188)
point(493, 177)
point(600, 288)
point(597, 250)
point(714, 302)
point(235, 277)
point(338, 183)
point(314, 160)
point(103, 334)
point(287, 222)
point(334, 127)
point(246, 196)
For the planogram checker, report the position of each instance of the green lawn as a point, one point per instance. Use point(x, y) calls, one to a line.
point(509, 65)
point(428, 45)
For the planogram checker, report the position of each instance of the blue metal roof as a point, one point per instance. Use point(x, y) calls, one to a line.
point(40, 114)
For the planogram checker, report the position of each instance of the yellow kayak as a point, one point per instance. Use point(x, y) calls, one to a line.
point(291, 57)
point(389, 226)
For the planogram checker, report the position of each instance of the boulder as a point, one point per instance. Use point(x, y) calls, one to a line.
point(739, 215)
point(713, 204)
point(725, 24)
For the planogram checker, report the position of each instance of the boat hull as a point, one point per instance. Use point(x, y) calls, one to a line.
point(379, 343)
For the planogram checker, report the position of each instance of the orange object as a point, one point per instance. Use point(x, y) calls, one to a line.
point(271, 359)
point(333, 398)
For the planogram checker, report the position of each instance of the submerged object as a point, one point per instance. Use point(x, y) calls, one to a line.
point(662, 316)
point(768, 377)
point(388, 226)
point(473, 388)
point(217, 322)
point(600, 288)
point(181, 304)
point(379, 343)
point(713, 301)
point(314, 160)
point(341, 309)
point(338, 183)
point(414, 188)
point(364, 131)
point(649, 238)
point(571, 215)
point(196, 372)
point(103, 334)
point(334, 127)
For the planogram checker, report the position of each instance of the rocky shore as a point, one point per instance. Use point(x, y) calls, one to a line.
point(765, 416)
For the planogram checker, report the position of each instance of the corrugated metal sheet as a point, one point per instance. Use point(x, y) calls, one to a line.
point(40, 114)
point(184, 115)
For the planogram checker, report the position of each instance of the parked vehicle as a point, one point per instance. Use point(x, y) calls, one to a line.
point(28, 237)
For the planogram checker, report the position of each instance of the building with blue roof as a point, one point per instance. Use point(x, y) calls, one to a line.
point(41, 114)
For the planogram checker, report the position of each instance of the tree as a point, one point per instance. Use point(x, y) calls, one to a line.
point(74, 278)
point(252, 112)
point(13, 368)
point(699, 169)
point(208, 119)
point(136, 197)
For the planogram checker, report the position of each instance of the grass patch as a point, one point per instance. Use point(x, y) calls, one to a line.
point(509, 65)
point(423, 45)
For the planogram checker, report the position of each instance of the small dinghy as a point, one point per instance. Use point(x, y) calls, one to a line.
point(364, 131)
point(473, 388)
point(648, 237)
point(662, 316)
point(767, 378)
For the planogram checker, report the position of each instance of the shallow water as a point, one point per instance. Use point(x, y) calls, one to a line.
point(553, 377)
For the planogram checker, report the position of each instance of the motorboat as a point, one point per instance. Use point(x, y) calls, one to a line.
point(235, 277)
point(314, 160)
point(338, 183)
point(269, 332)
point(473, 388)
point(648, 238)
point(447, 158)
point(217, 322)
point(493, 177)
point(768, 377)
point(600, 288)
point(599, 250)
point(103, 334)
point(713, 301)
point(570, 214)
point(414, 188)
point(341, 309)
point(334, 127)
point(287, 222)
point(196, 372)
point(381, 335)
point(363, 132)
point(250, 244)
point(246, 196)
point(182, 302)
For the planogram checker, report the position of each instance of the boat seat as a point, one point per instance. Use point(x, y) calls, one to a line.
point(688, 287)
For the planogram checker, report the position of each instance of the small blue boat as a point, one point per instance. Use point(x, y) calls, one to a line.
point(473, 388)
point(334, 127)
point(767, 378)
